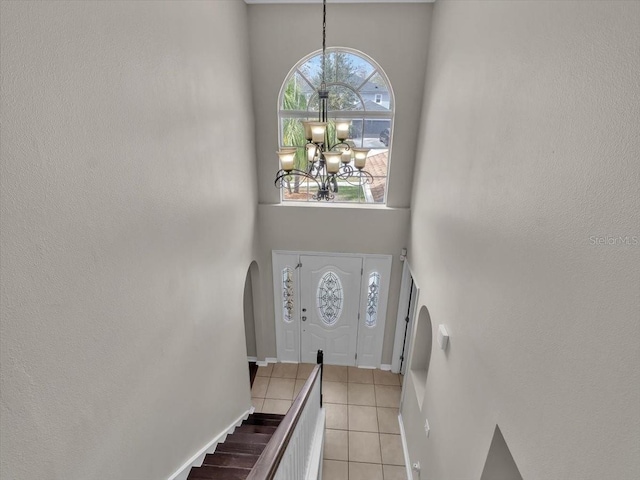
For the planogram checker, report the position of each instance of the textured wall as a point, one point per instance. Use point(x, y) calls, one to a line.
point(530, 151)
point(124, 251)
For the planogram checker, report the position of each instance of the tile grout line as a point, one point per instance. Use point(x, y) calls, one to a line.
point(348, 438)
point(380, 445)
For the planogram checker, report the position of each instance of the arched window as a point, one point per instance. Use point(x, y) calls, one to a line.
point(359, 91)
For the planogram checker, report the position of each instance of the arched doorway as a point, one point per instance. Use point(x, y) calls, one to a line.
point(421, 353)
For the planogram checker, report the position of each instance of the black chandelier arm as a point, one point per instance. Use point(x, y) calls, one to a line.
point(282, 174)
point(347, 171)
point(323, 195)
point(314, 170)
point(354, 177)
point(325, 146)
point(327, 189)
point(339, 144)
point(327, 186)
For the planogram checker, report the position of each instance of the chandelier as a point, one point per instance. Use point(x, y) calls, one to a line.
point(327, 163)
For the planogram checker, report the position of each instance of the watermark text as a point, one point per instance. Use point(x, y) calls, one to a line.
point(613, 240)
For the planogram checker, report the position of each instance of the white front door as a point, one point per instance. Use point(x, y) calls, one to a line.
point(329, 306)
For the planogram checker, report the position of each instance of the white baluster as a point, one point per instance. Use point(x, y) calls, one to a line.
point(295, 461)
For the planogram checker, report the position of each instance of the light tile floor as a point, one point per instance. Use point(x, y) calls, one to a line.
point(362, 437)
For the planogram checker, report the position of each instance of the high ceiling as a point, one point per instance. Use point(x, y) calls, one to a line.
point(337, 1)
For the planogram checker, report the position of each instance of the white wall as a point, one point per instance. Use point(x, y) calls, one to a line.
point(353, 230)
point(396, 38)
point(530, 148)
point(124, 251)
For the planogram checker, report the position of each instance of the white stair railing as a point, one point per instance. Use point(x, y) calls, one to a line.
point(294, 450)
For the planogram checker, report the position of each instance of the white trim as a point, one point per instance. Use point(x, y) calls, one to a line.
point(356, 206)
point(411, 339)
point(385, 367)
point(314, 471)
point(405, 447)
point(266, 361)
point(196, 460)
point(403, 306)
point(252, 359)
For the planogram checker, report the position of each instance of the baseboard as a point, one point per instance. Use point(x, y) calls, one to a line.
point(266, 361)
point(183, 472)
point(252, 359)
point(405, 448)
point(386, 367)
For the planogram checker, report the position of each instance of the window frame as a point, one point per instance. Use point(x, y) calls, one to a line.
point(362, 115)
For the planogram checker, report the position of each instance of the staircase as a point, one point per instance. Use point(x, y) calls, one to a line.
point(234, 459)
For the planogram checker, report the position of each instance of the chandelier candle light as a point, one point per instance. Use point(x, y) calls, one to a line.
point(326, 163)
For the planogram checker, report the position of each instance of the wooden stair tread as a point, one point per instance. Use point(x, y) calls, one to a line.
point(226, 459)
point(249, 428)
point(235, 457)
point(267, 419)
point(275, 416)
point(252, 448)
point(241, 437)
point(218, 473)
point(262, 421)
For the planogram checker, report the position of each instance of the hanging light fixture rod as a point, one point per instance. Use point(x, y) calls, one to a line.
point(323, 94)
point(326, 164)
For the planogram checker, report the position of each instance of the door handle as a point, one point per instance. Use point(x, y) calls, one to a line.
point(304, 319)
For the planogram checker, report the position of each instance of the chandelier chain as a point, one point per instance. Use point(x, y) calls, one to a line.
point(324, 38)
point(319, 149)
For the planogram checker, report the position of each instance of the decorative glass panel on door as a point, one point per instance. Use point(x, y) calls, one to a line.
point(287, 294)
point(371, 317)
point(330, 298)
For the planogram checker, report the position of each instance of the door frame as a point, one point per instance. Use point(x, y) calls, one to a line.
point(403, 307)
point(277, 265)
